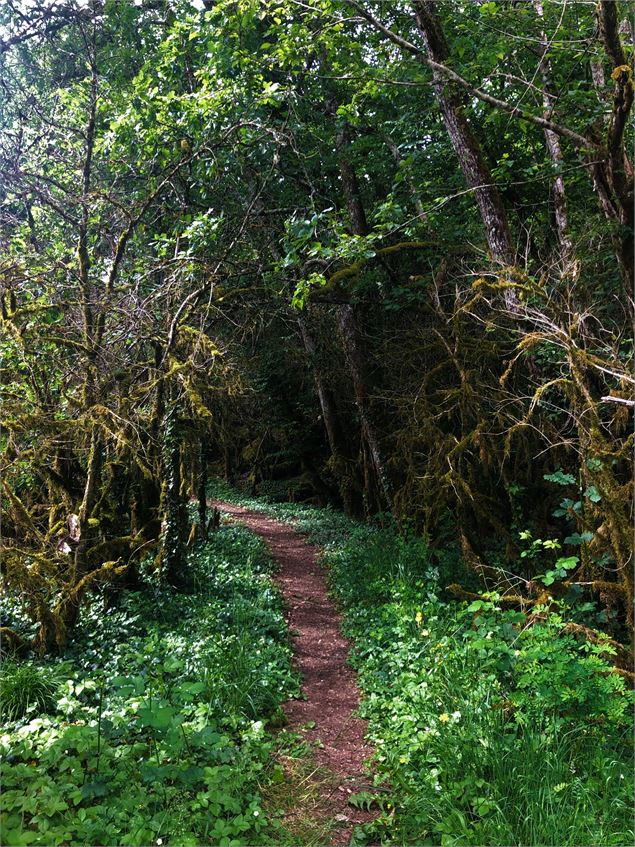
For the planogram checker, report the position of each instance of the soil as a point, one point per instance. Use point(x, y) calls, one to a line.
point(329, 690)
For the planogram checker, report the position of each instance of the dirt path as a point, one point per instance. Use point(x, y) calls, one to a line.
point(328, 682)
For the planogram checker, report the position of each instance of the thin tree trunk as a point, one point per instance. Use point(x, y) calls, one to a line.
point(350, 343)
point(202, 488)
point(350, 184)
point(553, 146)
point(342, 464)
point(91, 492)
point(617, 173)
point(347, 321)
point(173, 505)
point(325, 396)
point(416, 198)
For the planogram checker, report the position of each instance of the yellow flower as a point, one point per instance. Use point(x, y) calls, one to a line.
point(444, 717)
point(419, 618)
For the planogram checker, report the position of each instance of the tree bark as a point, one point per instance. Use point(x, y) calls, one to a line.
point(617, 173)
point(91, 492)
point(173, 504)
point(350, 184)
point(202, 488)
point(553, 146)
point(468, 151)
point(354, 358)
point(325, 396)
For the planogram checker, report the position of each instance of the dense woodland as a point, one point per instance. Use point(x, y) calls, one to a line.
point(370, 255)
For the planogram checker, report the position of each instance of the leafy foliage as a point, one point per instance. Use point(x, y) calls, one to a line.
point(489, 727)
point(159, 730)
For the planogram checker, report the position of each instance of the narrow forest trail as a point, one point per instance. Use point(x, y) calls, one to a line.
point(328, 682)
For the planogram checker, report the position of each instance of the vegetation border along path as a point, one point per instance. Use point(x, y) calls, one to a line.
point(328, 682)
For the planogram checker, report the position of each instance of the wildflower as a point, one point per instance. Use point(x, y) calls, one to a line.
point(419, 618)
point(456, 716)
point(444, 717)
point(425, 633)
point(256, 813)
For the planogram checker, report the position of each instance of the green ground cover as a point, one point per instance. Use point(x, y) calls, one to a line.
point(153, 729)
point(158, 724)
point(489, 728)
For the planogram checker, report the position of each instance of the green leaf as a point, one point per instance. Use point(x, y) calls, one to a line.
point(160, 718)
point(94, 789)
point(560, 477)
point(578, 538)
point(567, 562)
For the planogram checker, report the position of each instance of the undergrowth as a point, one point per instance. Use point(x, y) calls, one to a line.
point(157, 730)
point(489, 728)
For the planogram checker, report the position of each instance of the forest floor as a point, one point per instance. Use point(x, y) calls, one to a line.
point(177, 717)
point(329, 699)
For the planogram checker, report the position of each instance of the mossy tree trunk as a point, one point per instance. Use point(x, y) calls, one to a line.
point(174, 513)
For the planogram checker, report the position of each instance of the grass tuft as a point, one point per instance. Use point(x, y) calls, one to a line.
point(27, 688)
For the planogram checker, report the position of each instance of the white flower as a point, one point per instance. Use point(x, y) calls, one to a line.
point(456, 715)
point(256, 813)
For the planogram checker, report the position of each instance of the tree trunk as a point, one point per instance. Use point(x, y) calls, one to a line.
point(343, 466)
point(468, 151)
point(350, 185)
point(202, 488)
point(350, 343)
point(616, 173)
point(347, 321)
point(553, 147)
point(173, 504)
point(325, 396)
point(91, 492)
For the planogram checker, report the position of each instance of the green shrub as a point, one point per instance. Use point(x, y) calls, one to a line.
point(487, 730)
point(161, 734)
